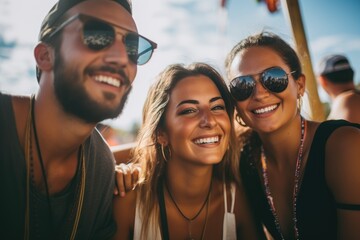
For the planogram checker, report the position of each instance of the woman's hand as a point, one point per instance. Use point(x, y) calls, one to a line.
point(126, 178)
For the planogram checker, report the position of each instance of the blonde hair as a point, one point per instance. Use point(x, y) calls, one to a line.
point(148, 151)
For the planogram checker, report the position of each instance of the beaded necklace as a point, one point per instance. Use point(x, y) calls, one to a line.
point(296, 182)
point(29, 176)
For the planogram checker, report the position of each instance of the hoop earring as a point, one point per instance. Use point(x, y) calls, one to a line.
point(163, 152)
point(299, 103)
point(240, 121)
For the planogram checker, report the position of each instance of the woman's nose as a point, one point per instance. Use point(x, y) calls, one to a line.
point(207, 120)
point(260, 91)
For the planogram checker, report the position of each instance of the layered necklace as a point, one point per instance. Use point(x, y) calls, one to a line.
point(30, 176)
point(296, 182)
point(192, 219)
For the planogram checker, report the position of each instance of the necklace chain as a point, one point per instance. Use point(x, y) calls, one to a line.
point(296, 182)
point(30, 175)
point(190, 220)
point(43, 172)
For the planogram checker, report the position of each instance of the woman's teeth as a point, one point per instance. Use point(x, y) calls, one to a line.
point(207, 140)
point(265, 109)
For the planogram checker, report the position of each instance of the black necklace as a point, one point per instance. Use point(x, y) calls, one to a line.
point(75, 213)
point(190, 220)
point(41, 162)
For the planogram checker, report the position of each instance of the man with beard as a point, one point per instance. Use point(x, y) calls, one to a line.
point(56, 171)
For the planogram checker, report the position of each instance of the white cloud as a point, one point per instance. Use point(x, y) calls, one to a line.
point(336, 43)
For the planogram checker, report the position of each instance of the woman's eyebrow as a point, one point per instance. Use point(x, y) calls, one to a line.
point(188, 101)
point(216, 98)
point(197, 102)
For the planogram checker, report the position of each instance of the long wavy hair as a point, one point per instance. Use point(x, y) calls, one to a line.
point(148, 151)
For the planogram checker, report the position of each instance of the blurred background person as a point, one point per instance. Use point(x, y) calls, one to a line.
point(336, 77)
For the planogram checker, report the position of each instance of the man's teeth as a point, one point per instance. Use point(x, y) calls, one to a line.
point(109, 80)
point(265, 110)
point(207, 140)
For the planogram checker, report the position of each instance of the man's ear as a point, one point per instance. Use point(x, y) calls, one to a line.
point(322, 81)
point(44, 56)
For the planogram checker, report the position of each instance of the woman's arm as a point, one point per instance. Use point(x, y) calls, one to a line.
point(124, 215)
point(342, 169)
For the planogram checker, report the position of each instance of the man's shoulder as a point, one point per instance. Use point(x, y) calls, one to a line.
point(349, 99)
point(98, 153)
point(17, 102)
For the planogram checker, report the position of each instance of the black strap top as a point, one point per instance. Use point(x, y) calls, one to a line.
point(316, 206)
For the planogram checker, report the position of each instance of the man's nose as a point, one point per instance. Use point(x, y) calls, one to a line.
point(117, 53)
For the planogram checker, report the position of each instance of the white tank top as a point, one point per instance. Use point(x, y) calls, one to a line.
point(229, 223)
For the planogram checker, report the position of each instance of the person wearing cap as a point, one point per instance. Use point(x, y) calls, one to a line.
point(56, 171)
point(336, 77)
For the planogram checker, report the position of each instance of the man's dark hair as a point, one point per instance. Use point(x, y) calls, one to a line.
point(344, 76)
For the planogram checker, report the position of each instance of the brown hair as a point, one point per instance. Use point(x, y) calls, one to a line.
point(270, 40)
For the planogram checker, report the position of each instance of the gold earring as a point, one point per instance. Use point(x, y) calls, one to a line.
point(240, 121)
point(163, 152)
point(299, 102)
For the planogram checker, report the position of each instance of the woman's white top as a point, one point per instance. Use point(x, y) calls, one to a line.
point(229, 223)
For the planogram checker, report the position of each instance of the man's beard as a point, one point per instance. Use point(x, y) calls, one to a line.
point(75, 100)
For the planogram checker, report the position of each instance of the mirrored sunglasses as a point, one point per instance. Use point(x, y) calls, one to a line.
point(274, 79)
point(98, 35)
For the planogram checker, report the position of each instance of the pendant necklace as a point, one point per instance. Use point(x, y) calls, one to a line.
point(190, 220)
point(296, 182)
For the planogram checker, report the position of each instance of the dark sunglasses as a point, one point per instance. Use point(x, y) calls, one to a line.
point(274, 79)
point(98, 35)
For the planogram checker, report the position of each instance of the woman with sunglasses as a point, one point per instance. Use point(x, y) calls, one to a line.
point(302, 177)
point(189, 187)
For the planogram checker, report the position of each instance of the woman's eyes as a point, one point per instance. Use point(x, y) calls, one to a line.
point(194, 110)
point(187, 111)
point(218, 107)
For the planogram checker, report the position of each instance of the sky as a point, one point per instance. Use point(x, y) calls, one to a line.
point(186, 31)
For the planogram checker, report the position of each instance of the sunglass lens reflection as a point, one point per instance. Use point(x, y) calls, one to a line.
point(275, 79)
point(242, 87)
point(98, 35)
point(132, 46)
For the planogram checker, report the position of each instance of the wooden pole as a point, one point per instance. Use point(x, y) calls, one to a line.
point(292, 10)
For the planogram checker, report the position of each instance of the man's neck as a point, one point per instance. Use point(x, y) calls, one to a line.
point(338, 90)
point(341, 93)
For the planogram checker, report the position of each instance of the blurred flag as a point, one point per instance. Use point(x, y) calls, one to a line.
point(272, 5)
point(223, 3)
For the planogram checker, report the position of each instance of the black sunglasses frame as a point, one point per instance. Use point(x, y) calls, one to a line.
point(275, 84)
point(84, 18)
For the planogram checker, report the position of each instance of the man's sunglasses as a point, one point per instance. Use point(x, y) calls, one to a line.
point(98, 35)
point(274, 79)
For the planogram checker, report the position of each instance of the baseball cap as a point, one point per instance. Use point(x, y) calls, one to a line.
point(334, 63)
point(58, 10)
point(61, 7)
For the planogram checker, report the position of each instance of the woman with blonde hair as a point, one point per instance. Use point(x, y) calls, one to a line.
point(189, 185)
